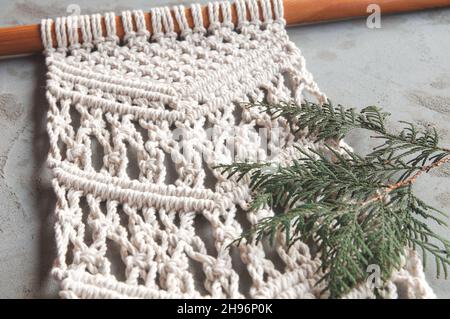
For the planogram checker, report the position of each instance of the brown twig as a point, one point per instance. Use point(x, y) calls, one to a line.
point(410, 180)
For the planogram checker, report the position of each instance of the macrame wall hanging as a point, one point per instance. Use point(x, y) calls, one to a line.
point(172, 218)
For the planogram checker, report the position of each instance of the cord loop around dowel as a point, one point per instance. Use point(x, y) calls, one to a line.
point(92, 29)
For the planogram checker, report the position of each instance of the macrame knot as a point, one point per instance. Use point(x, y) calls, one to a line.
point(137, 129)
point(75, 153)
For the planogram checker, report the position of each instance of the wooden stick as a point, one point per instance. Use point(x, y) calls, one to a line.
point(26, 39)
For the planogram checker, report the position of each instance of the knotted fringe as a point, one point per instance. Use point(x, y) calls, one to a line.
point(257, 12)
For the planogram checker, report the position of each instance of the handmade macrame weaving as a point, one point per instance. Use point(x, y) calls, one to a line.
point(136, 129)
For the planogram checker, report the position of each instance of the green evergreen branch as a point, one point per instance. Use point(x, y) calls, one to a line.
point(358, 210)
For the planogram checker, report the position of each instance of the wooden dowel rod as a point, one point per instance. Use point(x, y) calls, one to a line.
point(26, 39)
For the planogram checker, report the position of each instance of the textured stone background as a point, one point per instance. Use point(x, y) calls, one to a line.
point(403, 67)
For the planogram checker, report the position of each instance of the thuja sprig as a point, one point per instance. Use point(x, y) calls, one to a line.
point(359, 210)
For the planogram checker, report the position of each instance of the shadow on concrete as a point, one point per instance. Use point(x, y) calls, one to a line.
point(45, 198)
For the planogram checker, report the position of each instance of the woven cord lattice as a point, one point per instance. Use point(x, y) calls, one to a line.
point(135, 130)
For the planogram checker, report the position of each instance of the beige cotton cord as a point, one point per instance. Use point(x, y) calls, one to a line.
point(173, 101)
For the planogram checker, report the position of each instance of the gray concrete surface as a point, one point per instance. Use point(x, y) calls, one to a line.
point(403, 67)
